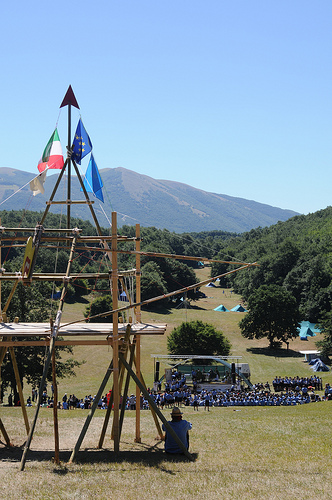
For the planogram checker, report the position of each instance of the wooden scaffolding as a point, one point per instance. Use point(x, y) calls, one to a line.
point(124, 338)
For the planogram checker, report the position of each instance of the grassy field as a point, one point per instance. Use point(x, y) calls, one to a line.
point(264, 363)
point(250, 453)
point(244, 452)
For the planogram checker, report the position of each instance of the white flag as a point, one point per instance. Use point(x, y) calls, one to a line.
point(37, 184)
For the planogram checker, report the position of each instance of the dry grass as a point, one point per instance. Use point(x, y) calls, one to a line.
point(250, 453)
point(245, 452)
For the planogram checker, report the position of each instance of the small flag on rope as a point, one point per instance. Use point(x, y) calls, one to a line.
point(52, 154)
point(82, 144)
point(92, 180)
point(37, 184)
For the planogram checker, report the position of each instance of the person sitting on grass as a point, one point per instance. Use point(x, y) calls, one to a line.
point(181, 427)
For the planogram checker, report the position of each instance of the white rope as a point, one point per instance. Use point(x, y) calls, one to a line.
point(20, 189)
point(101, 208)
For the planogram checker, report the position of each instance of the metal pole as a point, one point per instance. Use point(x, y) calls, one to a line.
point(69, 168)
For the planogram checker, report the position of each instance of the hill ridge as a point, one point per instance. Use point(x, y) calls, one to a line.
point(160, 203)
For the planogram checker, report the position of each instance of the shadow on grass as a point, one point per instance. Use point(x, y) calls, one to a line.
point(76, 299)
point(196, 308)
point(157, 310)
point(165, 310)
point(276, 353)
point(150, 456)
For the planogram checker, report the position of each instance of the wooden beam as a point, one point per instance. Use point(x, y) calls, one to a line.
point(110, 404)
point(137, 338)
point(80, 330)
point(55, 411)
point(116, 396)
point(4, 433)
point(49, 355)
point(45, 343)
point(91, 413)
point(19, 389)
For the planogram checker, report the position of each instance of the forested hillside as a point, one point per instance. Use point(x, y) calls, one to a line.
point(159, 275)
point(296, 254)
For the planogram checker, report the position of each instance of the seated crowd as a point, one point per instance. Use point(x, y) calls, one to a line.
point(177, 393)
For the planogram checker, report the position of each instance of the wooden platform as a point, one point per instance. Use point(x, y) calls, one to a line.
point(81, 330)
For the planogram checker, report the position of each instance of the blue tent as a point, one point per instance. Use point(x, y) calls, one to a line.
point(221, 308)
point(239, 308)
point(307, 329)
point(319, 366)
point(305, 333)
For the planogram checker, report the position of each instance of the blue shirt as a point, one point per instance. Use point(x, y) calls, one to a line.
point(181, 427)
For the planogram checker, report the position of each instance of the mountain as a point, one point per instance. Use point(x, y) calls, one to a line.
point(138, 198)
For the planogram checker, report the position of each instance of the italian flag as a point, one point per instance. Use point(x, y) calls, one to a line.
point(52, 154)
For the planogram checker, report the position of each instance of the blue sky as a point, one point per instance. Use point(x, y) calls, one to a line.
point(229, 97)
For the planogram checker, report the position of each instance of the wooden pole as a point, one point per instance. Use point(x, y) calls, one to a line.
point(50, 352)
point(116, 397)
point(48, 206)
point(4, 433)
point(55, 410)
point(156, 409)
point(91, 413)
point(156, 421)
point(19, 389)
point(137, 339)
point(110, 403)
point(126, 387)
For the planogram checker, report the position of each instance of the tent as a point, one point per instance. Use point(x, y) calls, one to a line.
point(221, 308)
point(239, 308)
point(210, 284)
point(305, 333)
point(307, 329)
point(319, 366)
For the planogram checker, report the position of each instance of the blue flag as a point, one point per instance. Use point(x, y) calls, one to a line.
point(82, 144)
point(92, 180)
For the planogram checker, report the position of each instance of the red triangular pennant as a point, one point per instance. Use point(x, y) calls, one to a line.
point(69, 99)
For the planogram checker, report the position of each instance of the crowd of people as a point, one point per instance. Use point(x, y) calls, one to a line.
point(297, 383)
point(178, 394)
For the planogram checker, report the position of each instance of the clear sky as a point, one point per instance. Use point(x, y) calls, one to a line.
point(232, 97)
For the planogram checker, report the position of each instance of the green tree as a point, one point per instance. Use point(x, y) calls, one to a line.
point(32, 304)
point(196, 337)
point(273, 313)
point(99, 305)
point(325, 325)
point(153, 284)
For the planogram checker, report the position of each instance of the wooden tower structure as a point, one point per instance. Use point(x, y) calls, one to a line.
point(123, 338)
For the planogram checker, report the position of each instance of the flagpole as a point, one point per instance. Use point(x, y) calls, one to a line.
point(69, 168)
point(69, 100)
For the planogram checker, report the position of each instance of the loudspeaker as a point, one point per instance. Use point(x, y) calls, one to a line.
point(156, 375)
point(233, 373)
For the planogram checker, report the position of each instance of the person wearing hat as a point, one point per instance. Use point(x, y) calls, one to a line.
point(181, 427)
